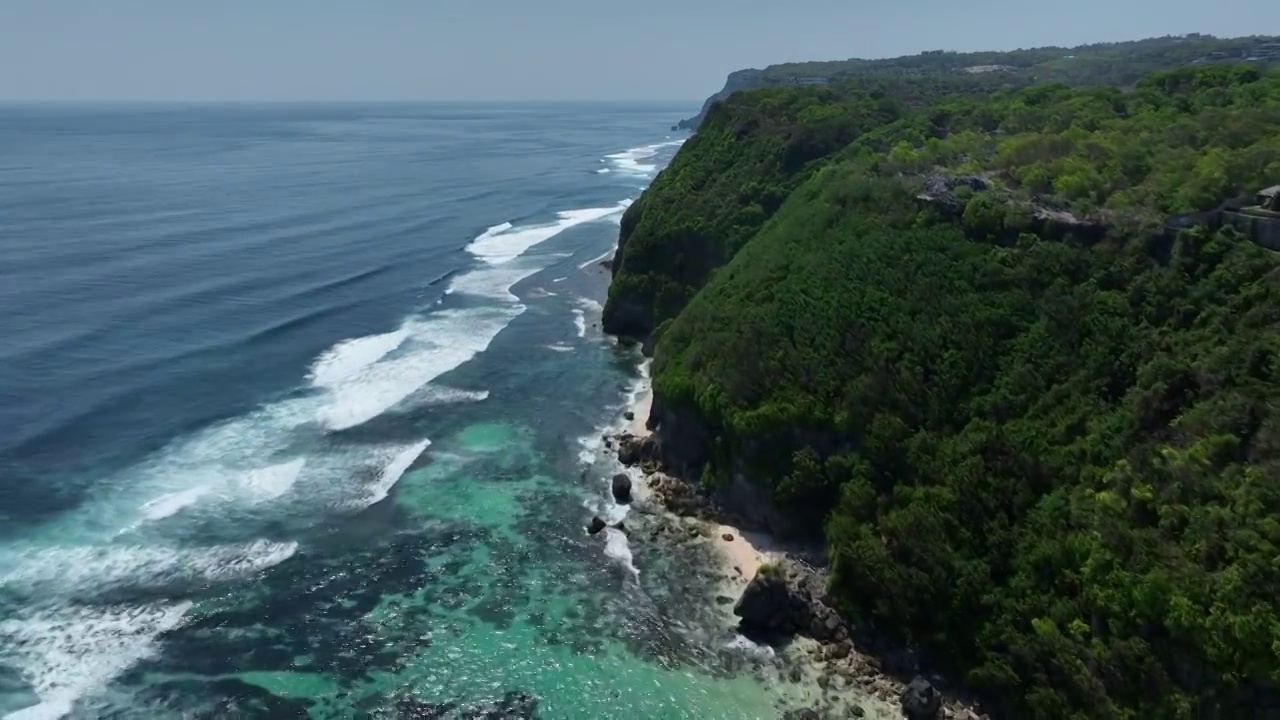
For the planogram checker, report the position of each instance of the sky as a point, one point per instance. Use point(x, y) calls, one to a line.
point(364, 50)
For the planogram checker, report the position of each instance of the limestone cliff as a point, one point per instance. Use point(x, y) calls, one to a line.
point(737, 80)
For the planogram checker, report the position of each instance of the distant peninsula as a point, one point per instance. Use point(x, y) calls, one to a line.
point(1119, 64)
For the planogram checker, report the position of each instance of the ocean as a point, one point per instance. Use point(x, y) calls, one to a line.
point(300, 416)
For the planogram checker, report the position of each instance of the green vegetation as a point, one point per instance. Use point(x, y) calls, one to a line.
point(770, 570)
point(1098, 63)
point(1053, 459)
point(720, 189)
point(1182, 142)
point(1118, 64)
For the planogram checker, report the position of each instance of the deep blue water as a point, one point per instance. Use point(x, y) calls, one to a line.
point(300, 411)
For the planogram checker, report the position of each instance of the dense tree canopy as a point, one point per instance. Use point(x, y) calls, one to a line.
point(720, 189)
point(1053, 462)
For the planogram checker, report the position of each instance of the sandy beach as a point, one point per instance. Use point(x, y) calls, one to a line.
point(743, 552)
point(641, 408)
point(740, 554)
point(819, 675)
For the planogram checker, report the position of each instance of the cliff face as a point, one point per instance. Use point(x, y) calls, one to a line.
point(1017, 431)
point(737, 80)
point(723, 185)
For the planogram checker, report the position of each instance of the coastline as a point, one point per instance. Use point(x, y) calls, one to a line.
point(819, 678)
point(741, 552)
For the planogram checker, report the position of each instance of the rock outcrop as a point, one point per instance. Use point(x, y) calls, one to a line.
point(633, 450)
point(921, 700)
point(737, 80)
point(789, 599)
point(622, 488)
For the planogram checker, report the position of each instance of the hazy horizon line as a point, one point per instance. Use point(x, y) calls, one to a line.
point(353, 101)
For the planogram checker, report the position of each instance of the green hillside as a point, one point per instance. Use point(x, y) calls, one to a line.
point(1038, 429)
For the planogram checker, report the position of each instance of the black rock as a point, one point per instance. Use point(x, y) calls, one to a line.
point(629, 415)
point(787, 600)
point(622, 488)
point(768, 606)
point(803, 714)
point(921, 700)
point(596, 525)
point(514, 705)
point(634, 450)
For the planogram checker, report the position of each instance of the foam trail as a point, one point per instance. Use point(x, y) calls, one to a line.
point(70, 569)
point(171, 503)
point(393, 472)
point(70, 652)
point(580, 322)
point(602, 257)
point(446, 340)
point(351, 356)
point(500, 244)
point(630, 161)
point(269, 483)
point(617, 547)
point(447, 395)
point(559, 347)
point(493, 283)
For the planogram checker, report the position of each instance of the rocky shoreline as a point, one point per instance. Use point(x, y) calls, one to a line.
point(780, 600)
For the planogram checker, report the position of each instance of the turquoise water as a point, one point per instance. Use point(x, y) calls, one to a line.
point(307, 404)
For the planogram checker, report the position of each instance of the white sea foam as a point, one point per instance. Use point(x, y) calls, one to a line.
point(589, 447)
point(170, 504)
point(447, 395)
point(500, 244)
point(585, 305)
point(602, 171)
point(351, 356)
point(268, 483)
point(394, 470)
point(493, 283)
point(254, 485)
point(71, 569)
point(560, 347)
point(617, 547)
point(599, 258)
point(69, 652)
point(560, 279)
point(742, 644)
point(444, 341)
point(633, 162)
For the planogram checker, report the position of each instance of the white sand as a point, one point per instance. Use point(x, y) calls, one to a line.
point(641, 408)
point(744, 554)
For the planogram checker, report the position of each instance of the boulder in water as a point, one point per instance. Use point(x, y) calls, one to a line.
point(622, 488)
point(596, 525)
